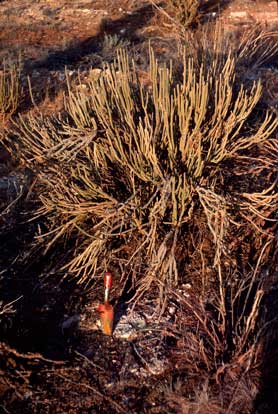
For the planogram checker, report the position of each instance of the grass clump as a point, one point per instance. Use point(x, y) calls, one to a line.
point(9, 90)
point(112, 43)
point(186, 11)
point(188, 14)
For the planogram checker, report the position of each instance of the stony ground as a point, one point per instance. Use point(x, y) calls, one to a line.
point(54, 357)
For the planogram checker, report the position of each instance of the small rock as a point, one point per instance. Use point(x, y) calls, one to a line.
point(61, 77)
point(95, 73)
point(157, 366)
point(129, 326)
point(70, 323)
point(238, 15)
point(172, 310)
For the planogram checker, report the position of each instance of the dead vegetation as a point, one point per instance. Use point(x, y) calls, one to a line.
point(9, 89)
point(185, 12)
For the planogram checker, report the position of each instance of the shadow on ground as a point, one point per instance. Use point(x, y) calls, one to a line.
point(126, 28)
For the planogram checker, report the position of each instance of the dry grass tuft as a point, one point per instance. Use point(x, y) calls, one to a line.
point(186, 12)
point(112, 43)
point(201, 403)
point(9, 90)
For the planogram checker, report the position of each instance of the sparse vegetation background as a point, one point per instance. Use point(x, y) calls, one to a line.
point(9, 89)
point(166, 175)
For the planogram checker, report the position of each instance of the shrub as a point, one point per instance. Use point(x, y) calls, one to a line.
point(186, 11)
point(128, 164)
